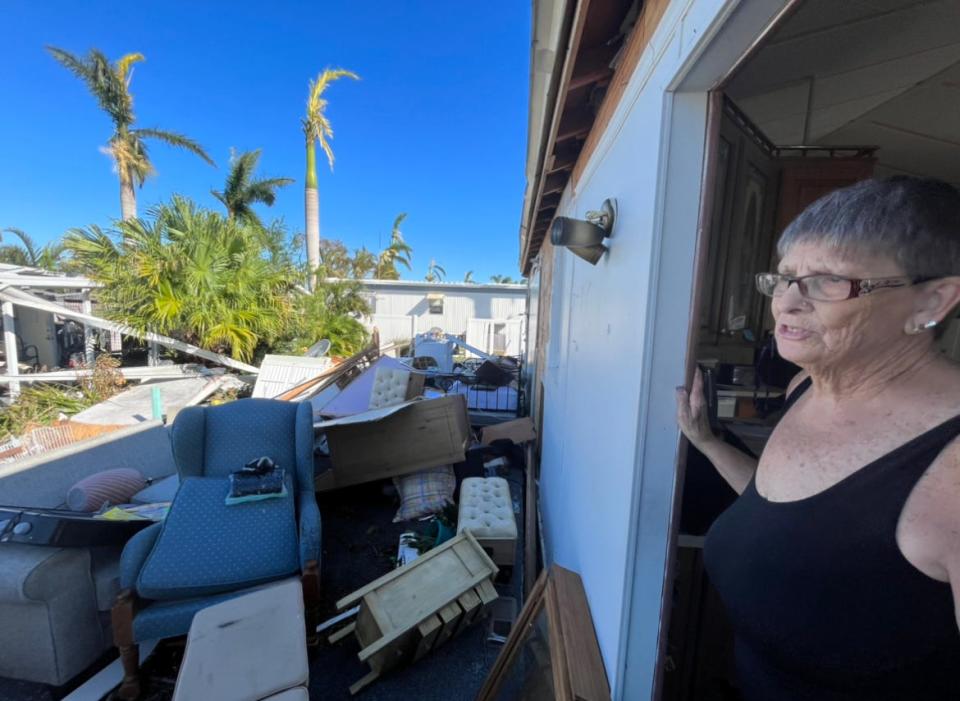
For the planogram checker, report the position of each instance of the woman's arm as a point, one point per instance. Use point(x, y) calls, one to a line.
point(735, 466)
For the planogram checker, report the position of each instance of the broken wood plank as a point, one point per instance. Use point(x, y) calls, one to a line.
point(450, 615)
point(363, 683)
point(342, 633)
point(329, 623)
point(471, 604)
point(428, 631)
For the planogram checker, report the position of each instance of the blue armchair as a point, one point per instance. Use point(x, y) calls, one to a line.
point(205, 551)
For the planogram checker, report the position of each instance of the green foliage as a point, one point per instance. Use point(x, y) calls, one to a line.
point(506, 280)
point(327, 313)
point(399, 251)
point(337, 262)
point(468, 278)
point(242, 190)
point(110, 85)
point(41, 404)
point(26, 253)
point(435, 272)
point(192, 274)
point(316, 126)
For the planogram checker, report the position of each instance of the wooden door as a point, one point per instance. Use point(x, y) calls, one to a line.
point(742, 225)
point(805, 180)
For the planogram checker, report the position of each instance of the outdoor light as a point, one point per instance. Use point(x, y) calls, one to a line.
point(585, 238)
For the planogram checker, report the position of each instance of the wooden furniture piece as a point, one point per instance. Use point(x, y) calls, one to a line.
point(247, 648)
point(418, 607)
point(552, 651)
point(486, 510)
point(395, 440)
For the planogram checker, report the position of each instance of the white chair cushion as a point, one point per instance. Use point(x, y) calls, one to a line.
point(389, 387)
point(486, 509)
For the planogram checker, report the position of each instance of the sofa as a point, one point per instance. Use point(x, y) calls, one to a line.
point(55, 602)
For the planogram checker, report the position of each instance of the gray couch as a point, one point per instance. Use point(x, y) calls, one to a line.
point(55, 602)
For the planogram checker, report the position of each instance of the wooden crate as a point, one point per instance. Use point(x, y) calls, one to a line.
point(418, 607)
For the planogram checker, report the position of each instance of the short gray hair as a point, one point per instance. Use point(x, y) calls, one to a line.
point(914, 221)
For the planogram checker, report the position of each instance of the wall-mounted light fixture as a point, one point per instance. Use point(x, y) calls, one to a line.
point(585, 238)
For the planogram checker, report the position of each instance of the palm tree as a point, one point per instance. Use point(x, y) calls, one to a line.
point(193, 274)
point(110, 84)
point(399, 251)
point(316, 127)
point(435, 272)
point(242, 189)
point(502, 280)
point(468, 278)
point(26, 253)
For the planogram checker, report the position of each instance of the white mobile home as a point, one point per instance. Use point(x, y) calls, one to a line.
point(711, 123)
point(488, 316)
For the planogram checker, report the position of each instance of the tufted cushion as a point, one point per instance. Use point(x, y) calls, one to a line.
point(486, 508)
point(110, 486)
point(425, 492)
point(206, 547)
point(389, 387)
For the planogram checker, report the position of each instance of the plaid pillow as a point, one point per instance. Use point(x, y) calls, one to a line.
point(424, 493)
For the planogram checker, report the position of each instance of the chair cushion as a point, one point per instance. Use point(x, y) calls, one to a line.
point(164, 489)
point(207, 547)
point(110, 486)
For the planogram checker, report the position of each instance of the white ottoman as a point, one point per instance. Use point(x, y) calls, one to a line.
point(249, 648)
point(486, 510)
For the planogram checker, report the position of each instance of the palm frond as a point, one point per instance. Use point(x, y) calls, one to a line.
point(174, 139)
point(241, 190)
point(316, 126)
point(124, 64)
point(28, 244)
point(396, 224)
point(71, 62)
point(103, 82)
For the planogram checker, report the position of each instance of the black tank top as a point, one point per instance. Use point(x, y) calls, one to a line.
point(823, 604)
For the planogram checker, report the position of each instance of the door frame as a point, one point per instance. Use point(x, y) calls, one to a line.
point(692, 111)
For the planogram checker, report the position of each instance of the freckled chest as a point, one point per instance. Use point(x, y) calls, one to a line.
point(814, 447)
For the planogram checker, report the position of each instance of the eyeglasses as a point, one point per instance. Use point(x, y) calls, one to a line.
point(829, 288)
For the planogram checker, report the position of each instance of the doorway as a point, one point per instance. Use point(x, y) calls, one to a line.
point(836, 93)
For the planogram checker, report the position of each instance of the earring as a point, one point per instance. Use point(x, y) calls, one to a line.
point(930, 324)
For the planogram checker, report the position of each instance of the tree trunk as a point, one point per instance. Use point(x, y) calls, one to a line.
point(128, 199)
point(313, 233)
point(312, 207)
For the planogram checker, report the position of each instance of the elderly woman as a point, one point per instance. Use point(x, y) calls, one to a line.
point(839, 563)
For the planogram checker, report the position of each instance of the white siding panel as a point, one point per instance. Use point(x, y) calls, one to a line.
point(460, 305)
point(597, 364)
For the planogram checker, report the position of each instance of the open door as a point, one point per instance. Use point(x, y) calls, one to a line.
point(757, 189)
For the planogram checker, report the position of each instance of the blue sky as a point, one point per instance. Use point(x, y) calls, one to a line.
point(436, 127)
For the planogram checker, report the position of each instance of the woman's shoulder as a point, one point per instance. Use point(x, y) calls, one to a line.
point(934, 505)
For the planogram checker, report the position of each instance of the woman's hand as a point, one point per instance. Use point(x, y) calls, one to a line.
point(692, 413)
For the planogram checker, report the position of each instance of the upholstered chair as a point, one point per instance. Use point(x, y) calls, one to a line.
point(207, 551)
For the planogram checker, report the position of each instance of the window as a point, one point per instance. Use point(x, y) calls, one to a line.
point(435, 302)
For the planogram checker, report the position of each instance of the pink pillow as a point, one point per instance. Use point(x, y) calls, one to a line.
point(113, 486)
